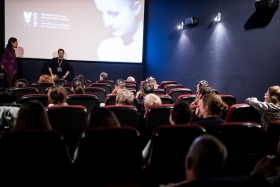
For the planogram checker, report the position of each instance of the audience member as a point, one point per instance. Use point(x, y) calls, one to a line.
point(205, 158)
point(120, 84)
point(102, 117)
point(45, 79)
point(270, 108)
point(103, 76)
point(146, 88)
point(152, 80)
point(32, 116)
point(57, 96)
point(21, 83)
point(124, 97)
point(130, 78)
point(80, 76)
point(8, 114)
point(78, 86)
point(201, 89)
point(151, 99)
point(210, 108)
point(181, 114)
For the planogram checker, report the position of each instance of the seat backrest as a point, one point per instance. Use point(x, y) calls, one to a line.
point(88, 82)
point(126, 114)
point(68, 89)
point(165, 99)
point(43, 98)
point(243, 112)
point(23, 91)
point(67, 84)
point(159, 91)
point(129, 85)
point(244, 145)
point(176, 92)
point(111, 155)
point(272, 138)
point(157, 115)
point(39, 151)
point(133, 90)
point(106, 86)
point(70, 121)
point(41, 86)
point(58, 82)
point(167, 152)
point(99, 92)
point(168, 87)
point(189, 98)
point(86, 100)
point(111, 82)
point(111, 100)
point(228, 99)
point(163, 83)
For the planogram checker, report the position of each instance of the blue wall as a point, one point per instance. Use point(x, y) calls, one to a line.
point(237, 56)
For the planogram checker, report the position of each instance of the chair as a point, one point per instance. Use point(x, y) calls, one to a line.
point(130, 82)
point(165, 99)
point(59, 82)
point(133, 90)
point(42, 98)
point(272, 138)
point(99, 92)
point(111, 100)
point(244, 144)
point(126, 114)
point(86, 100)
point(111, 82)
point(159, 91)
point(23, 91)
point(68, 89)
point(110, 155)
point(129, 85)
point(106, 86)
point(189, 98)
point(163, 83)
point(243, 113)
point(67, 84)
point(33, 154)
point(70, 121)
point(228, 99)
point(41, 86)
point(176, 92)
point(167, 152)
point(88, 82)
point(168, 87)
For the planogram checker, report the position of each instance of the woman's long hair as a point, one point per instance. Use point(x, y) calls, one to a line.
point(10, 44)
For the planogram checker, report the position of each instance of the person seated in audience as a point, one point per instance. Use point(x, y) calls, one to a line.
point(102, 117)
point(201, 86)
point(151, 99)
point(270, 108)
point(78, 86)
point(130, 78)
point(181, 114)
point(125, 97)
point(32, 116)
point(145, 89)
point(210, 108)
point(57, 96)
point(55, 77)
point(103, 76)
point(206, 158)
point(80, 76)
point(152, 80)
point(120, 84)
point(8, 114)
point(45, 79)
point(21, 83)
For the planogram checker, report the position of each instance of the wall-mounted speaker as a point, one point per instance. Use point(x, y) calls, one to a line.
point(191, 21)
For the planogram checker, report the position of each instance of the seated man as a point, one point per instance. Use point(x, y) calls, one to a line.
point(130, 78)
point(145, 89)
point(8, 114)
point(103, 76)
point(124, 97)
point(120, 84)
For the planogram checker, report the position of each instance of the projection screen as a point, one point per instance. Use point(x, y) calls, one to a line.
point(88, 30)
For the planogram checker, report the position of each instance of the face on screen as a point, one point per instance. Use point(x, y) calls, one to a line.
point(119, 15)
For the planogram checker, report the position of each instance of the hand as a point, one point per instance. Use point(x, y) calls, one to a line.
point(64, 77)
point(266, 166)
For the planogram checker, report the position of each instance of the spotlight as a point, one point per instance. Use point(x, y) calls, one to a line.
point(181, 26)
point(218, 17)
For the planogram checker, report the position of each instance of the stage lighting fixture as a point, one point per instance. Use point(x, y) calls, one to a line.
point(188, 22)
point(218, 17)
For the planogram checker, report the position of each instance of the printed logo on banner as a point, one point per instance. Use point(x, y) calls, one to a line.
point(27, 17)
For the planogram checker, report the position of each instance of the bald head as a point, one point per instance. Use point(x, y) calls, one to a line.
point(206, 158)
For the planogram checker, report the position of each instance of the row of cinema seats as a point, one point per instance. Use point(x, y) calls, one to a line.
point(112, 156)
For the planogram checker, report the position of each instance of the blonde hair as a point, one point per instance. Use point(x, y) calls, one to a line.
point(125, 97)
point(45, 79)
point(152, 80)
point(152, 99)
point(274, 95)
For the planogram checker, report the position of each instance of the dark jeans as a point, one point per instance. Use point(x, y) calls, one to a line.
point(10, 80)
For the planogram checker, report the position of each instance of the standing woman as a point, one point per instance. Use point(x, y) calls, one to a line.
point(9, 63)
